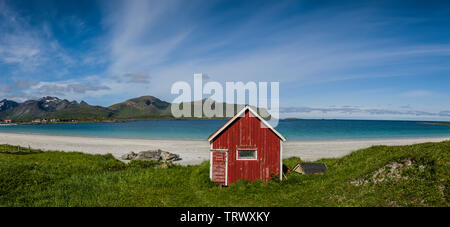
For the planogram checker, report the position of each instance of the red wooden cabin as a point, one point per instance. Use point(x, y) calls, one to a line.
point(246, 147)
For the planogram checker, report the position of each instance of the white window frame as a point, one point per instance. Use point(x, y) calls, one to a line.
point(247, 149)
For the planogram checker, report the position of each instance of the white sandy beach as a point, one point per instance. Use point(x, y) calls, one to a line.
point(191, 151)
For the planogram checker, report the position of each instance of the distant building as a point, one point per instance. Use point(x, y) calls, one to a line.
point(310, 168)
point(7, 121)
point(54, 120)
point(37, 121)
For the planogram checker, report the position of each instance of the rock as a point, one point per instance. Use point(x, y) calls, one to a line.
point(129, 156)
point(152, 155)
point(167, 156)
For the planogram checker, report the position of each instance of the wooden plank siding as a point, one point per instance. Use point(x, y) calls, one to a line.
point(246, 132)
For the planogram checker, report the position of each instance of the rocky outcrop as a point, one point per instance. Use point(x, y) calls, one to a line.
point(7, 104)
point(51, 108)
point(151, 155)
point(129, 156)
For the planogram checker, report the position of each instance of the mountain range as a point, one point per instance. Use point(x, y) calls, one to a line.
point(145, 107)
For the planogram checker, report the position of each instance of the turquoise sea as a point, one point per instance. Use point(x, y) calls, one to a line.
point(201, 129)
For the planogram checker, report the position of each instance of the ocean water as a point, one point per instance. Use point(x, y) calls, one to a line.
point(294, 130)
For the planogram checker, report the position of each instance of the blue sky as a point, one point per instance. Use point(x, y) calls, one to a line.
point(333, 59)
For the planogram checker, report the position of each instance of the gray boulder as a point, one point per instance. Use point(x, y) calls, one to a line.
point(152, 155)
point(167, 156)
point(129, 156)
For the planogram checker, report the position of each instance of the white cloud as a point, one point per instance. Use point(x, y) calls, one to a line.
point(170, 41)
point(315, 56)
point(137, 78)
point(353, 112)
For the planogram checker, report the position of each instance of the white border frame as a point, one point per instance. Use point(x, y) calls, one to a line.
point(247, 149)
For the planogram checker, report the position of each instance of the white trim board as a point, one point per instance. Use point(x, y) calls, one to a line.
point(210, 160)
point(214, 135)
point(281, 160)
point(226, 168)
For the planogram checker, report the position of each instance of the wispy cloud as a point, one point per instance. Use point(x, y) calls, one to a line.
point(417, 93)
point(137, 40)
point(365, 112)
point(137, 78)
point(28, 46)
point(65, 89)
point(143, 47)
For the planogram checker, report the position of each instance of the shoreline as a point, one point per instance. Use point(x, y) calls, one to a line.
point(200, 140)
point(194, 151)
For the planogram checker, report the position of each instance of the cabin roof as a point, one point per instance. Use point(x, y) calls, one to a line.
point(228, 123)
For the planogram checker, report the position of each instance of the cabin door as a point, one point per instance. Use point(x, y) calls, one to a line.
point(219, 167)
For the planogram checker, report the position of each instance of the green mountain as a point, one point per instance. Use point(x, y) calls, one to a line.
point(214, 104)
point(53, 107)
point(145, 107)
point(142, 107)
point(81, 112)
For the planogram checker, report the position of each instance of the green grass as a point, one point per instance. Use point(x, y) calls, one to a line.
point(34, 178)
point(81, 113)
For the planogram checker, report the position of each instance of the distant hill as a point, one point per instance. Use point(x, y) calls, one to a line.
point(142, 107)
point(53, 107)
point(235, 107)
point(34, 108)
point(145, 107)
point(81, 112)
point(7, 104)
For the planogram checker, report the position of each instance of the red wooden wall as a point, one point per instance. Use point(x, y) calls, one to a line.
point(246, 132)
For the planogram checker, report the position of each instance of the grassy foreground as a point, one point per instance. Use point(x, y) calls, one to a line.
point(416, 175)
